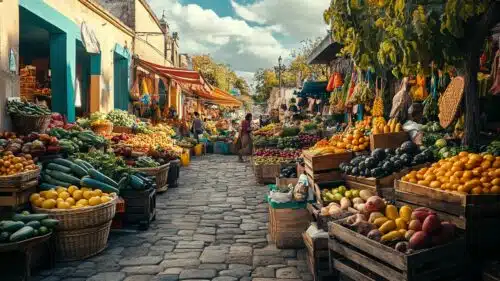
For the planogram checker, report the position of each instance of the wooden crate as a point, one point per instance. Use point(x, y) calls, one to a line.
point(325, 162)
point(266, 174)
point(15, 197)
point(286, 181)
point(388, 140)
point(477, 214)
point(361, 258)
point(317, 257)
point(287, 226)
point(140, 206)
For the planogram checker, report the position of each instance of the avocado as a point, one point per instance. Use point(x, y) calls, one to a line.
point(409, 147)
point(388, 167)
point(378, 154)
point(370, 162)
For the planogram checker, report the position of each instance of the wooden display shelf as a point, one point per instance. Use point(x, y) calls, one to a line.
point(15, 197)
point(317, 257)
point(477, 214)
point(361, 258)
point(325, 162)
point(388, 140)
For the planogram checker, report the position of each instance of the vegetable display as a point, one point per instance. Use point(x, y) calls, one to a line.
point(24, 226)
point(12, 165)
point(146, 162)
point(107, 163)
point(26, 109)
point(405, 229)
point(340, 199)
point(121, 118)
point(383, 162)
point(467, 173)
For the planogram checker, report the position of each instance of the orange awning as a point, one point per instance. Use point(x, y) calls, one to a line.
point(223, 96)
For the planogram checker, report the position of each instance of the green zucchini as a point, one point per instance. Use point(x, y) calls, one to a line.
point(30, 217)
point(46, 186)
point(79, 170)
point(63, 177)
point(57, 167)
point(4, 236)
point(43, 230)
point(102, 178)
point(12, 226)
point(89, 182)
point(34, 224)
point(62, 161)
point(49, 223)
point(84, 163)
point(24, 233)
point(122, 184)
point(136, 182)
point(55, 182)
point(35, 232)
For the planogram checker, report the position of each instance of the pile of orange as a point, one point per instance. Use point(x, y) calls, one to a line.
point(11, 165)
point(354, 140)
point(69, 198)
point(467, 173)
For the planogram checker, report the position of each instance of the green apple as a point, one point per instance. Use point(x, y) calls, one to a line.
point(342, 189)
point(348, 194)
point(355, 193)
point(337, 197)
point(335, 190)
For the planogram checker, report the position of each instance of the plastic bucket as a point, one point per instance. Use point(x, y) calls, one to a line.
point(198, 149)
point(185, 158)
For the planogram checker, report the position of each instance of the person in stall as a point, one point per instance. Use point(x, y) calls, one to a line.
point(197, 128)
point(244, 142)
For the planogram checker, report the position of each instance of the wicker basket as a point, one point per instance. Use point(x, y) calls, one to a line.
point(24, 124)
point(20, 179)
point(81, 218)
point(122, 130)
point(72, 245)
point(450, 101)
point(103, 129)
point(161, 175)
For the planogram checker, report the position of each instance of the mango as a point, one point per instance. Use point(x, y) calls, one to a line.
point(391, 212)
point(400, 224)
point(391, 236)
point(388, 226)
point(405, 213)
point(380, 221)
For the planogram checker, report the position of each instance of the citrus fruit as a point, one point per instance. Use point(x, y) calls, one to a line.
point(94, 201)
point(71, 201)
point(51, 194)
point(60, 189)
point(77, 194)
point(72, 189)
point(34, 197)
point(49, 204)
point(64, 195)
point(87, 194)
point(105, 198)
point(39, 202)
point(83, 202)
point(63, 205)
point(97, 192)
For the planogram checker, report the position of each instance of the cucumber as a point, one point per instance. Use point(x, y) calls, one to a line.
point(61, 161)
point(4, 236)
point(46, 186)
point(60, 176)
point(36, 232)
point(89, 182)
point(43, 230)
point(102, 178)
point(136, 182)
point(30, 217)
point(57, 167)
point(12, 226)
point(122, 184)
point(49, 223)
point(79, 170)
point(84, 163)
point(34, 224)
point(55, 182)
point(24, 233)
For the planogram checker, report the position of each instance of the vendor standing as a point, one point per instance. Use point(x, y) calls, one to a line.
point(197, 127)
point(244, 143)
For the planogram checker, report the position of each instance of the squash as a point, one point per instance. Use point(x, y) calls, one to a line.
point(391, 212)
point(388, 226)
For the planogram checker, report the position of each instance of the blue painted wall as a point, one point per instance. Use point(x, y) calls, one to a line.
point(121, 77)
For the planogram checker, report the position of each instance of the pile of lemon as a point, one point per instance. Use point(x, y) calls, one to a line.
point(69, 198)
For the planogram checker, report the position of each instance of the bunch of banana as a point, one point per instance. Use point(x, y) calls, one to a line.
point(378, 107)
point(393, 126)
point(326, 150)
point(378, 121)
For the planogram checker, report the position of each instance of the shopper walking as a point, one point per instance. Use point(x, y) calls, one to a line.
point(244, 143)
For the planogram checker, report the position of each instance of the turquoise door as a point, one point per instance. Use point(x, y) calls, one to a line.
point(121, 94)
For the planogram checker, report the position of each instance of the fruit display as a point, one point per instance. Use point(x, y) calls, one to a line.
point(275, 156)
point(72, 141)
point(263, 141)
point(186, 142)
point(58, 121)
point(12, 165)
point(341, 199)
point(24, 226)
point(289, 131)
point(324, 147)
point(38, 144)
point(269, 130)
point(383, 162)
point(378, 122)
point(392, 126)
point(26, 109)
point(466, 173)
point(307, 141)
point(288, 142)
point(404, 229)
point(378, 107)
point(71, 197)
point(145, 142)
point(354, 140)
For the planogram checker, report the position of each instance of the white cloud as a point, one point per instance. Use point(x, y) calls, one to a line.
point(300, 19)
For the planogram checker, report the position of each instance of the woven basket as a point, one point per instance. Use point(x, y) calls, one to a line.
point(20, 179)
point(72, 245)
point(450, 101)
point(24, 124)
point(81, 218)
point(161, 175)
point(103, 129)
point(122, 130)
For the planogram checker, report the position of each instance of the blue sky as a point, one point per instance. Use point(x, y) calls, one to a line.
point(246, 34)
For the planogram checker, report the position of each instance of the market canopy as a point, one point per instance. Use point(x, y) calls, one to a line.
point(314, 89)
point(223, 98)
point(325, 52)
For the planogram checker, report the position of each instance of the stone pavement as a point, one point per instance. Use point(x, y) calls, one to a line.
point(212, 227)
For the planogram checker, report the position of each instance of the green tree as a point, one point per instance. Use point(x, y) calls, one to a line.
point(405, 37)
point(218, 74)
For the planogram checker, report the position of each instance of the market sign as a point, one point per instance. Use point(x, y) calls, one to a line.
point(89, 39)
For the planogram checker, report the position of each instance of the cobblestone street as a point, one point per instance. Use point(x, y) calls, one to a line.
point(212, 227)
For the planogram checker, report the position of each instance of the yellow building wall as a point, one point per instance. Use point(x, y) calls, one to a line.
point(150, 47)
point(9, 39)
point(108, 36)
